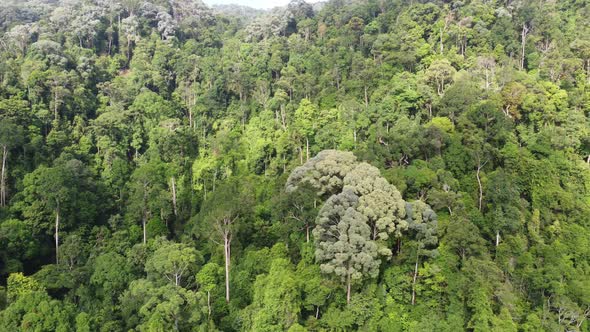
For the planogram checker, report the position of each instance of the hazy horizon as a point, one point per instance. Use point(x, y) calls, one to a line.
point(259, 4)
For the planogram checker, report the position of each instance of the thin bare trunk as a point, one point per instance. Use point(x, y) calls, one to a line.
point(283, 118)
point(227, 253)
point(441, 45)
point(366, 97)
point(301, 155)
point(480, 188)
point(55, 104)
point(144, 214)
point(480, 165)
point(348, 282)
point(3, 177)
point(143, 225)
point(497, 238)
point(173, 187)
point(415, 278)
point(57, 234)
point(307, 232)
point(209, 302)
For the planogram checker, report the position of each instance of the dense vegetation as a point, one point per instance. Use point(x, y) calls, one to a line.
point(357, 165)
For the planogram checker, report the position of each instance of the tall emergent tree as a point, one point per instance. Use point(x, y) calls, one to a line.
point(356, 221)
point(10, 135)
point(343, 241)
point(222, 213)
point(64, 191)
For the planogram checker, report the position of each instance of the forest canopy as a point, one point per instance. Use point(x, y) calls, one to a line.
point(347, 165)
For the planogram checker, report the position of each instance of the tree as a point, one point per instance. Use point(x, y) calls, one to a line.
point(11, 135)
point(301, 206)
point(165, 308)
point(343, 241)
point(222, 213)
point(18, 244)
point(277, 298)
point(37, 311)
point(379, 201)
point(208, 278)
point(324, 172)
point(503, 203)
point(18, 285)
point(306, 117)
point(440, 73)
point(173, 261)
point(422, 222)
point(147, 187)
point(110, 277)
point(65, 190)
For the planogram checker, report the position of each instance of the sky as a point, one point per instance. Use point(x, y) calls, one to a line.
point(262, 4)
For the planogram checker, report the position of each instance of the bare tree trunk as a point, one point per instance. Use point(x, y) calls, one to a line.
point(497, 238)
point(227, 253)
point(143, 225)
point(144, 214)
point(307, 233)
point(173, 187)
point(55, 104)
point(3, 177)
point(442, 46)
point(301, 155)
point(110, 41)
point(480, 189)
point(57, 234)
point(415, 278)
point(209, 302)
point(479, 167)
point(283, 118)
point(348, 282)
point(366, 98)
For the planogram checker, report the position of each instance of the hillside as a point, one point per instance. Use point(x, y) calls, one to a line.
point(363, 165)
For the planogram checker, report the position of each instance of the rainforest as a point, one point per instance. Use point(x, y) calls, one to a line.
point(341, 165)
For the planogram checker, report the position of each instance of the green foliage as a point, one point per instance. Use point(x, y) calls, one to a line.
point(172, 261)
point(157, 156)
point(19, 285)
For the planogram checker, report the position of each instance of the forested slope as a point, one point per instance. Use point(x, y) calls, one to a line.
point(363, 165)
